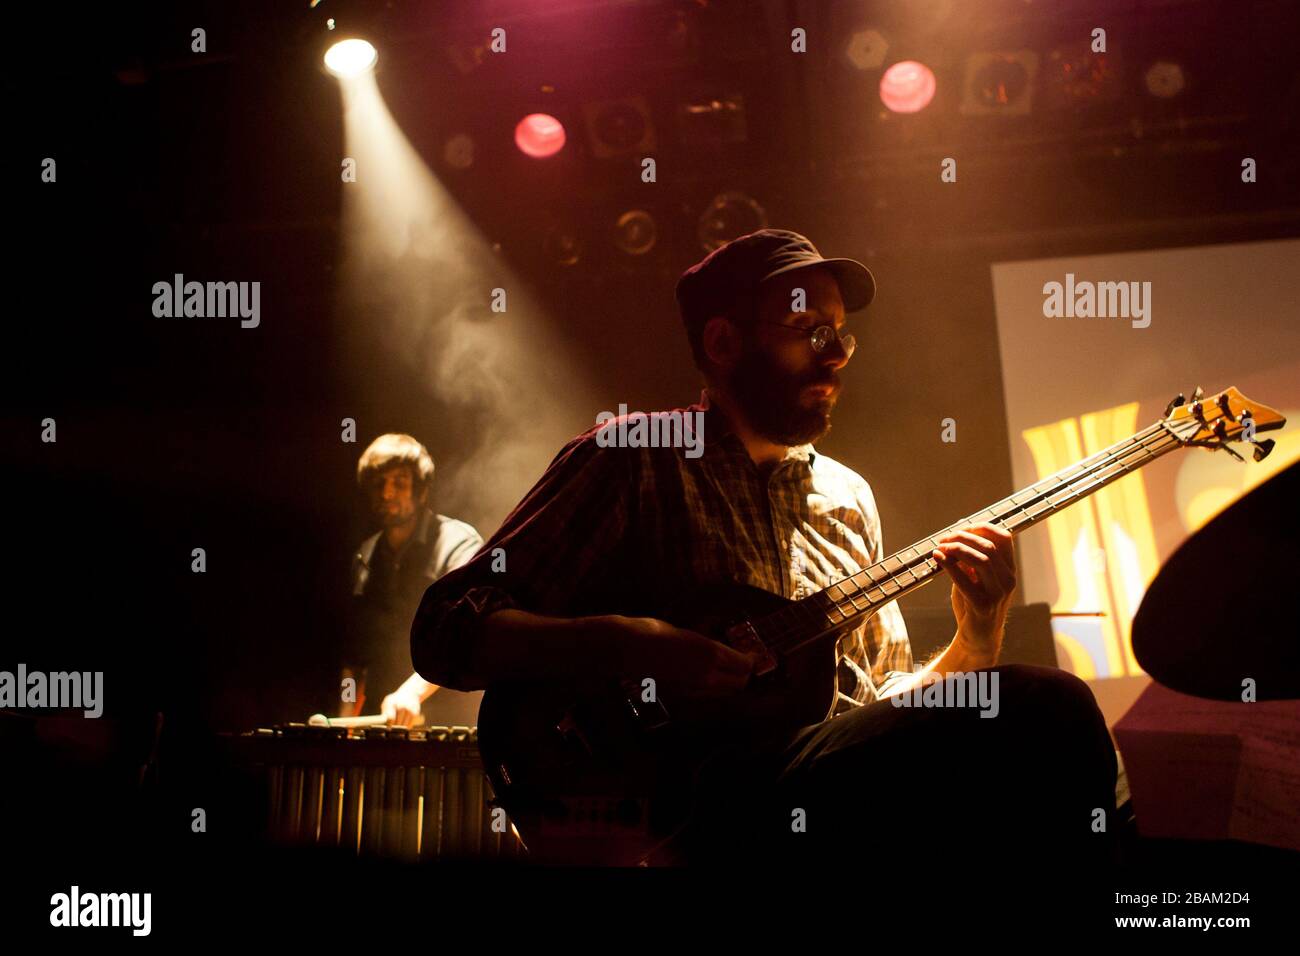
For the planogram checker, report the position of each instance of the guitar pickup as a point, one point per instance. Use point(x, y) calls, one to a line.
point(573, 736)
point(744, 638)
point(650, 715)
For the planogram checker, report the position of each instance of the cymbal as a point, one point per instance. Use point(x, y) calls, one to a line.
point(1223, 608)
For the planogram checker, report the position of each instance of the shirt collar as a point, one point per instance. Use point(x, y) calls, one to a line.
point(718, 428)
point(424, 529)
point(425, 526)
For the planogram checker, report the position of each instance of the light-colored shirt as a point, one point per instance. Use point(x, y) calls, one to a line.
point(622, 530)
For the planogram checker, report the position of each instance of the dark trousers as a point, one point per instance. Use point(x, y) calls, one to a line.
point(1033, 786)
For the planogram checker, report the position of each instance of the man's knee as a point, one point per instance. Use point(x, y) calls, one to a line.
point(1056, 713)
point(1046, 697)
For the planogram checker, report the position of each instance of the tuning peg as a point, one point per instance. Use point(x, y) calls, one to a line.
point(1221, 429)
point(1262, 448)
point(1174, 403)
point(1224, 406)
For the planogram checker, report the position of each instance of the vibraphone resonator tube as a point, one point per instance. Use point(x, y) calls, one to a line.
point(378, 791)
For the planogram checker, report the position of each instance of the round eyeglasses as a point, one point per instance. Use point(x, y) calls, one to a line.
point(822, 336)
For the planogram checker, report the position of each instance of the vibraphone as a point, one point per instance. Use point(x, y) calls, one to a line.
point(416, 794)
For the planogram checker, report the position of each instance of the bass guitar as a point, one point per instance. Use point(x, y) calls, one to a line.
point(605, 777)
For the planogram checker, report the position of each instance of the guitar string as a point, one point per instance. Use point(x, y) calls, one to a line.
point(1011, 514)
point(1070, 483)
point(785, 636)
point(1062, 489)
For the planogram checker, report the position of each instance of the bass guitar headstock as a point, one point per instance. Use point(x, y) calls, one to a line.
point(1216, 421)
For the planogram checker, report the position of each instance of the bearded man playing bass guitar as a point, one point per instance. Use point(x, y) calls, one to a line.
point(611, 537)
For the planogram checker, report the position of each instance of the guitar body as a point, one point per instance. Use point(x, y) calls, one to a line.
point(604, 777)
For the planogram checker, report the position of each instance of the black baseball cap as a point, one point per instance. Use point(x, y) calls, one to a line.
point(736, 269)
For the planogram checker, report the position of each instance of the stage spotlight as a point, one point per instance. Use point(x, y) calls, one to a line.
point(351, 57)
point(712, 122)
point(635, 232)
point(729, 215)
point(619, 127)
point(1074, 76)
point(907, 87)
point(539, 135)
point(562, 246)
point(866, 50)
point(1165, 79)
point(458, 151)
point(1000, 83)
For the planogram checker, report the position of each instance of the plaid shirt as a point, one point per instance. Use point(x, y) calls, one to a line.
point(611, 530)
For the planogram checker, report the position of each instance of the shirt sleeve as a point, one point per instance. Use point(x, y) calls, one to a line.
point(893, 661)
point(459, 554)
point(884, 641)
point(553, 555)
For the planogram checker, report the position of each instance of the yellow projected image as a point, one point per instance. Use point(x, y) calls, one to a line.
point(1206, 484)
point(1103, 550)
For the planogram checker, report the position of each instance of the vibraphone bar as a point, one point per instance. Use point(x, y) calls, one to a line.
point(381, 791)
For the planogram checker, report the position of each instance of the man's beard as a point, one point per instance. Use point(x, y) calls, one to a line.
point(395, 519)
point(770, 399)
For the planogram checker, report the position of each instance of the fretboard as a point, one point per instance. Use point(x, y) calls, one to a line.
point(838, 607)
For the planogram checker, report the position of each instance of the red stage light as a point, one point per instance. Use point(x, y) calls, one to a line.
point(907, 87)
point(539, 135)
